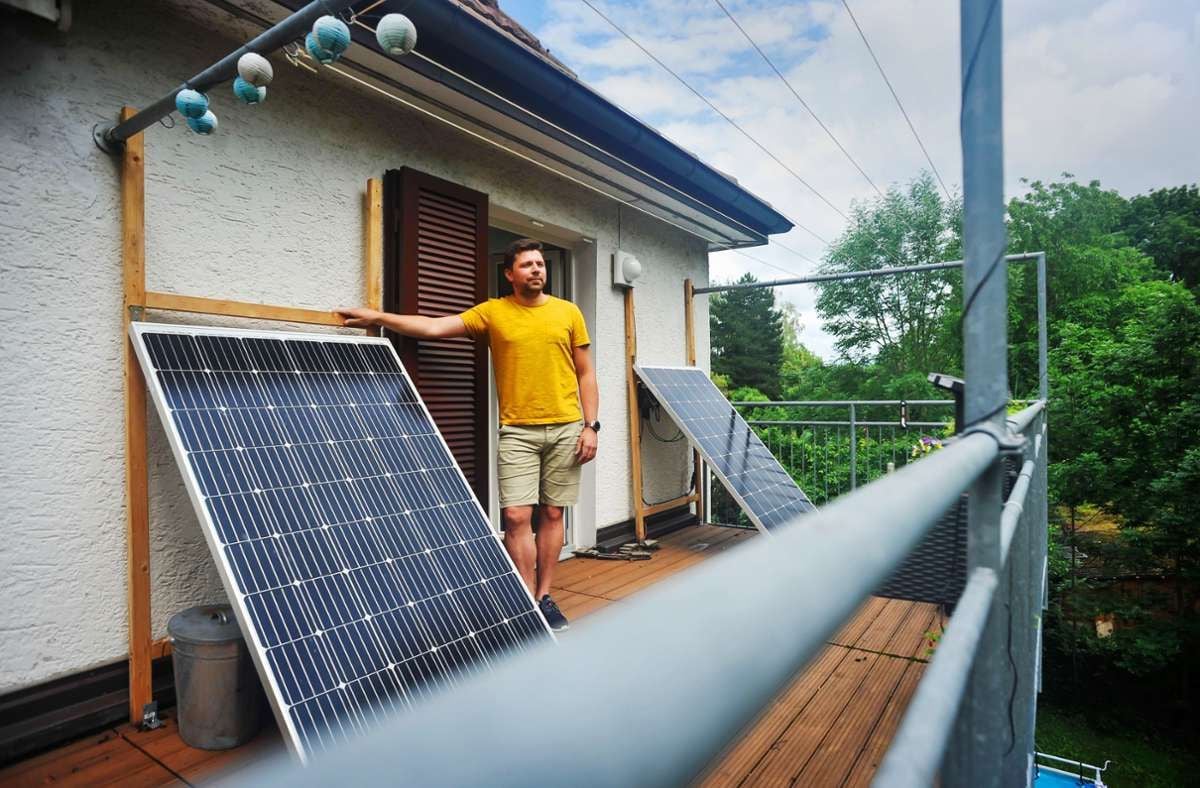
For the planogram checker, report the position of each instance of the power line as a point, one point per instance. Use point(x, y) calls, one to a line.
point(728, 119)
point(764, 262)
point(899, 104)
point(803, 103)
point(787, 248)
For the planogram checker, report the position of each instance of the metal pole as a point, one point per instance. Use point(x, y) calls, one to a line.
point(838, 277)
point(111, 138)
point(853, 449)
point(977, 749)
point(1043, 343)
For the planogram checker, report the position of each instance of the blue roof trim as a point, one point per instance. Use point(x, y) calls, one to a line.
point(481, 53)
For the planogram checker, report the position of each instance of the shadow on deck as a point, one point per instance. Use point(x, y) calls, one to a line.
point(830, 725)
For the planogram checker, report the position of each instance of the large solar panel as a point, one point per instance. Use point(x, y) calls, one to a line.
point(765, 491)
point(362, 569)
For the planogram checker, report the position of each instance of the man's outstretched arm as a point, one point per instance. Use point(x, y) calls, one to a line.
point(418, 326)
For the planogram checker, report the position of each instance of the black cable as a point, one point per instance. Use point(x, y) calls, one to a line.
point(803, 103)
point(727, 119)
point(900, 104)
point(1012, 662)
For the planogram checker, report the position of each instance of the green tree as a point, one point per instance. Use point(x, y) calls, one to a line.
point(747, 337)
point(1088, 259)
point(1165, 225)
point(896, 321)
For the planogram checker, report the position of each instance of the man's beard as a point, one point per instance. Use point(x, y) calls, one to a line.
point(530, 288)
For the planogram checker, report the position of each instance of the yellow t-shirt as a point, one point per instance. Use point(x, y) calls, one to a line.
point(532, 352)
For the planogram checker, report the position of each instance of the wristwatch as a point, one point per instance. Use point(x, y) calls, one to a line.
point(595, 425)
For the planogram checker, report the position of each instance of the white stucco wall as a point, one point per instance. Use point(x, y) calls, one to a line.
point(268, 210)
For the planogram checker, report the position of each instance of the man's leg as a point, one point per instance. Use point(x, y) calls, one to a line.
point(549, 546)
point(518, 540)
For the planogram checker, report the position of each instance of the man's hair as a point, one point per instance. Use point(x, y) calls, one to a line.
point(518, 246)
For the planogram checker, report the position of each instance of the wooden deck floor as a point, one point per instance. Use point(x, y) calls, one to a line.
point(830, 726)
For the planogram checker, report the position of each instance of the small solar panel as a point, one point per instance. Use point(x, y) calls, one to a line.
point(765, 491)
point(361, 566)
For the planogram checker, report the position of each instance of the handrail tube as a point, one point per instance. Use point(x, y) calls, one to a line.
point(1020, 421)
point(915, 754)
point(528, 710)
point(844, 402)
point(767, 423)
point(844, 275)
point(1010, 516)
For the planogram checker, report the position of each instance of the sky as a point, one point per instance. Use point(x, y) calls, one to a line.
point(1106, 91)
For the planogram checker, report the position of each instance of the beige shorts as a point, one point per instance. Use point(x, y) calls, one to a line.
point(536, 464)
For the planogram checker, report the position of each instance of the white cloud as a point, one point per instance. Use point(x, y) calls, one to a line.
point(1108, 91)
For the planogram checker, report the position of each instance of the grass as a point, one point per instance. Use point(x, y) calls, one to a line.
point(1138, 758)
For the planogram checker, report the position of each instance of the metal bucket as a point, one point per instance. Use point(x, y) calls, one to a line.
point(220, 700)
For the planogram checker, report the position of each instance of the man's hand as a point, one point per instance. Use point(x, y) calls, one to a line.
point(359, 317)
point(585, 447)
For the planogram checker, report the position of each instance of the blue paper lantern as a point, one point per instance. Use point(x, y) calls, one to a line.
point(247, 93)
point(191, 103)
point(331, 34)
point(396, 34)
point(205, 124)
point(319, 53)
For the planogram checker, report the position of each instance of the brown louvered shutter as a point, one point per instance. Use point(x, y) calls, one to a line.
point(435, 264)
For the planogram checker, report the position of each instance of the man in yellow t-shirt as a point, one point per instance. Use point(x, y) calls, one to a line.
point(546, 387)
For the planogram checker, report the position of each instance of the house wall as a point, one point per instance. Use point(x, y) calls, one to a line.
point(269, 210)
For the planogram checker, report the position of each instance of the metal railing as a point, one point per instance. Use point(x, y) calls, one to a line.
point(824, 565)
point(828, 457)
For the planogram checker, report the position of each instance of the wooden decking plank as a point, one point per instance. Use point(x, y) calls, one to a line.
point(106, 759)
point(878, 635)
point(859, 622)
point(835, 755)
point(801, 738)
point(600, 584)
point(755, 742)
point(909, 640)
point(575, 606)
point(666, 570)
point(587, 571)
point(867, 762)
point(76, 750)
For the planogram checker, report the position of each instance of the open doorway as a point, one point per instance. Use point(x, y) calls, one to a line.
point(559, 283)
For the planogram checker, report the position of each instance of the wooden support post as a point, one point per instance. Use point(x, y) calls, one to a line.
point(689, 320)
point(137, 497)
point(635, 421)
point(373, 246)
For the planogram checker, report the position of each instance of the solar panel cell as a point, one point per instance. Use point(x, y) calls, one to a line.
point(362, 568)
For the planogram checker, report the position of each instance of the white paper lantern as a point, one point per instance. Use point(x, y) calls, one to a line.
point(255, 69)
point(396, 34)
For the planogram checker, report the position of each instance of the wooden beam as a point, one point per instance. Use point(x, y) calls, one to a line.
point(689, 322)
point(373, 246)
point(160, 648)
point(635, 421)
point(665, 505)
point(213, 306)
point(137, 479)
